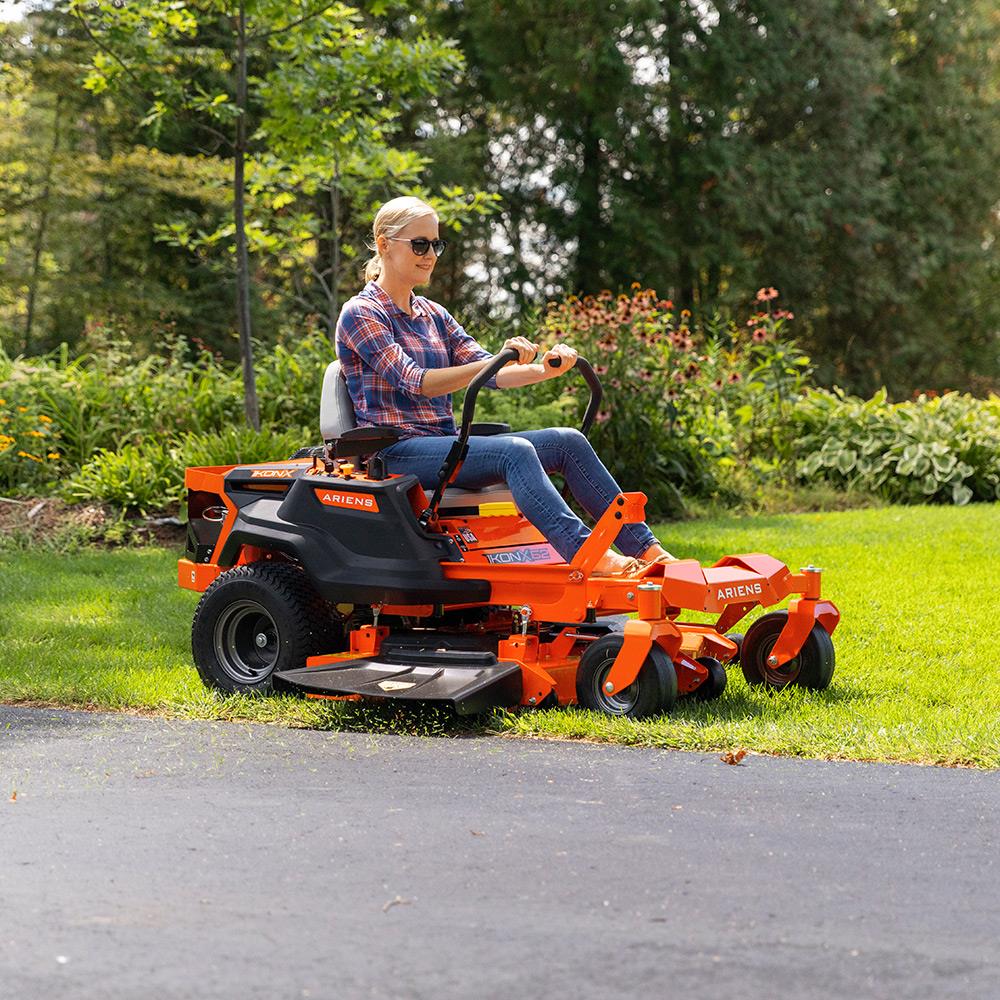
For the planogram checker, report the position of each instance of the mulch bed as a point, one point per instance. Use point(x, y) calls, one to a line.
point(37, 519)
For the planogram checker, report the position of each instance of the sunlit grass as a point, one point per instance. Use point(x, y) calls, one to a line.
point(918, 669)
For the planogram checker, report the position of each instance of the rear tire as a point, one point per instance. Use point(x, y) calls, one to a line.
point(812, 668)
point(259, 619)
point(652, 692)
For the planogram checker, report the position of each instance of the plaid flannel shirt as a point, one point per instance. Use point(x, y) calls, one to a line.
point(385, 354)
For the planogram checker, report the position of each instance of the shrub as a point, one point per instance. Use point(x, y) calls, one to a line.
point(684, 396)
point(944, 449)
point(137, 478)
point(150, 476)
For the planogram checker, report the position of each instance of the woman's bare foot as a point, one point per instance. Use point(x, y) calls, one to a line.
point(656, 553)
point(612, 564)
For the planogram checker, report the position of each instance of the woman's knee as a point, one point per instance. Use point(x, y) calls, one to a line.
point(517, 450)
point(572, 441)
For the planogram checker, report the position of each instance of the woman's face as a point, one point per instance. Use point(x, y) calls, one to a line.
point(399, 262)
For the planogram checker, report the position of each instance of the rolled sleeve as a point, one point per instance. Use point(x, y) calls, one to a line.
point(462, 348)
point(364, 330)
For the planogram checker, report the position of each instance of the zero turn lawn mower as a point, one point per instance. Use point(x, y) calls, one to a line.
point(325, 575)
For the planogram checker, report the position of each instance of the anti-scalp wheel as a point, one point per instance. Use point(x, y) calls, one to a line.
point(713, 685)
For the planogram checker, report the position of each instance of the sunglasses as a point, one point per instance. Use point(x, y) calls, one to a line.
point(421, 245)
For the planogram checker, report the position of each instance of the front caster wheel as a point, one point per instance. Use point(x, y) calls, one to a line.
point(652, 692)
point(713, 685)
point(256, 620)
point(812, 668)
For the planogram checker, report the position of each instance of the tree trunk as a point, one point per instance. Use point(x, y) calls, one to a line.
point(589, 255)
point(676, 147)
point(333, 298)
point(43, 219)
point(250, 404)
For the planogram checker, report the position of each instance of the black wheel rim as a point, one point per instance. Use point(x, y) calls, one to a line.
point(246, 642)
point(620, 703)
point(776, 676)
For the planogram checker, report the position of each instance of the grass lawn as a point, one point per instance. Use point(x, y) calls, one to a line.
point(918, 668)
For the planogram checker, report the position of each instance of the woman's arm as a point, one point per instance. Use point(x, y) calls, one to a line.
point(517, 375)
point(441, 381)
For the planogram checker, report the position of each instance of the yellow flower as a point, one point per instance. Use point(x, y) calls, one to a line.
point(36, 434)
point(3, 402)
point(25, 454)
point(44, 419)
point(54, 454)
point(22, 409)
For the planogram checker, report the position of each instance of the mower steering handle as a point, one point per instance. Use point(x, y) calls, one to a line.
point(459, 449)
point(509, 354)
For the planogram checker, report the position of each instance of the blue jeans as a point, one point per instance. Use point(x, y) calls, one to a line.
point(523, 461)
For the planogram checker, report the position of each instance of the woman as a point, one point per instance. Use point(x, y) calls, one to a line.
point(403, 355)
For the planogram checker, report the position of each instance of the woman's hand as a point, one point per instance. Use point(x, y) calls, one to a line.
point(567, 358)
point(526, 350)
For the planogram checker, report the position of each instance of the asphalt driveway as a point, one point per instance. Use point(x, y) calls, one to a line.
point(158, 859)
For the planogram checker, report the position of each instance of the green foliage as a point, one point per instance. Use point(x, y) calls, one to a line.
point(694, 408)
point(843, 149)
point(135, 478)
point(150, 476)
point(944, 449)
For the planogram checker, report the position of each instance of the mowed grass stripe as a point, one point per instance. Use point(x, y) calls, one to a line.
point(918, 672)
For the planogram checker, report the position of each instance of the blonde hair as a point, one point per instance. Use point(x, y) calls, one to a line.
point(393, 217)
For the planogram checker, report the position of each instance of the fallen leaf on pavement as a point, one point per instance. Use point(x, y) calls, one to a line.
point(733, 758)
point(13, 795)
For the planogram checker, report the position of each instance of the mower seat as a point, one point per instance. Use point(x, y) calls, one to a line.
point(336, 416)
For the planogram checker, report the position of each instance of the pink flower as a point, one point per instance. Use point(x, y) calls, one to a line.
point(759, 335)
point(734, 377)
point(766, 294)
point(603, 416)
point(601, 369)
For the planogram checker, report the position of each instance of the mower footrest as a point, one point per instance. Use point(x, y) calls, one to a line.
point(471, 688)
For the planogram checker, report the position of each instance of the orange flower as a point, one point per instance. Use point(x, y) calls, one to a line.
point(766, 294)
